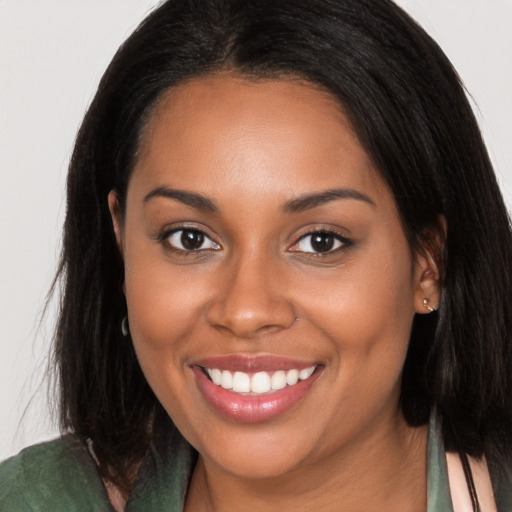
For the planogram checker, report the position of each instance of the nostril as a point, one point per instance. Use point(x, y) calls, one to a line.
point(221, 328)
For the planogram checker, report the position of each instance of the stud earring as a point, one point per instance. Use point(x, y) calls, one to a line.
point(124, 326)
point(428, 306)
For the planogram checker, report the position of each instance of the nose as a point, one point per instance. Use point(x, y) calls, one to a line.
point(250, 300)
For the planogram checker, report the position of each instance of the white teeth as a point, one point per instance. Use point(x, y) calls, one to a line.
point(241, 382)
point(216, 376)
point(292, 377)
point(260, 382)
point(278, 380)
point(307, 372)
point(227, 380)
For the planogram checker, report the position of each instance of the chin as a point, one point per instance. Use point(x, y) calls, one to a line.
point(257, 463)
point(266, 451)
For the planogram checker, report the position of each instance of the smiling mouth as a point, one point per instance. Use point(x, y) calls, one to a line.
point(254, 389)
point(259, 383)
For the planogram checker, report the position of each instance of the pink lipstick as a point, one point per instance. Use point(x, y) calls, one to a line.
point(254, 389)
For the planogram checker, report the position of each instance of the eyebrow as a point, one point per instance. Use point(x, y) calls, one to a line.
point(309, 201)
point(193, 199)
point(300, 204)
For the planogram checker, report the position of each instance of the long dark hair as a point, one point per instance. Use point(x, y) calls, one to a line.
point(410, 111)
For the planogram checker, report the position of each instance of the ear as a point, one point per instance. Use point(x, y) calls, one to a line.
point(428, 268)
point(115, 214)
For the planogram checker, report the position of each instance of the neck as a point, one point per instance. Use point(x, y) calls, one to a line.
point(385, 471)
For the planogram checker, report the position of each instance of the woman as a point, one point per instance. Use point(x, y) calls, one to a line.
point(286, 269)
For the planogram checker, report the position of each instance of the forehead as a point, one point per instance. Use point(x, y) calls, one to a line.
point(275, 137)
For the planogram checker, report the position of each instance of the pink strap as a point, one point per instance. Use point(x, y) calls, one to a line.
point(459, 491)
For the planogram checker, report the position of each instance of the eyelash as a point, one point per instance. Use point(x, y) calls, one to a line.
point(165, 238)
point(344, 243)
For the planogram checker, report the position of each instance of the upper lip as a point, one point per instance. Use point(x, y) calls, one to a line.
point(252, 364)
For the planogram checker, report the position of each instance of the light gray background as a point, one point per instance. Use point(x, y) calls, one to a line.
point(52, 54)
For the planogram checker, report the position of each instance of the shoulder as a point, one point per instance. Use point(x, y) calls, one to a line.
point(55, 476)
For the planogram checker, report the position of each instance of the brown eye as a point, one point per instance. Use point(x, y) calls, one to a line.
point(321, 242)
point(191, 240)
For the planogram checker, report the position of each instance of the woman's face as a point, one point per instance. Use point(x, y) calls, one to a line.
point(260, 245)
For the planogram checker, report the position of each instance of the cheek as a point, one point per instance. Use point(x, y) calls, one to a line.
point(162, 309)
point(366, 313)
point(370, 299)
point(163, 302)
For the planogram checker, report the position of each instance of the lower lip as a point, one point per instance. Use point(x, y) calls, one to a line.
point(253, 408)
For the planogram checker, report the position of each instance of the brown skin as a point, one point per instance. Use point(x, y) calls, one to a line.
point(257, 289)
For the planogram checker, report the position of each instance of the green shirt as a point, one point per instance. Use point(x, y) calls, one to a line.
point(61, 476)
